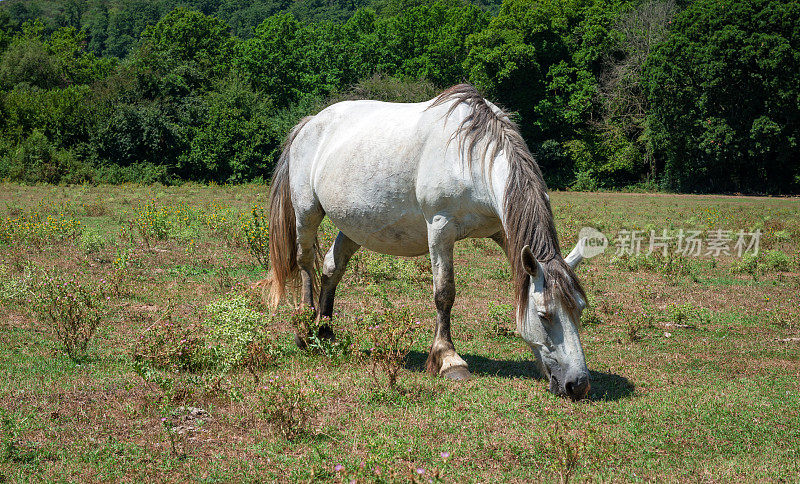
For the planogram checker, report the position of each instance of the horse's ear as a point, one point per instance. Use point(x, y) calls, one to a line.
point(529, 262)
point(576, 256)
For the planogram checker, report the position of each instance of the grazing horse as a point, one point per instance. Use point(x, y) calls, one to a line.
point(406, 179)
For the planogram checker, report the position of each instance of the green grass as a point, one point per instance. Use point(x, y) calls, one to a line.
point(714, 399)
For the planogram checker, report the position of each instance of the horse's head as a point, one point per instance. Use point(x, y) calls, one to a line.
point(549, 324)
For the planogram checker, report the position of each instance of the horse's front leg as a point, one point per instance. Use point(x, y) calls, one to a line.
point(443, 359)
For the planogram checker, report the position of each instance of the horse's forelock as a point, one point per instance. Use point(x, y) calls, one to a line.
point(528, 218)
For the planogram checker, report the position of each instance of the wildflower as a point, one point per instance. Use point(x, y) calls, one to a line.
point(420, 470)
point(338, 468)
point(445, 455)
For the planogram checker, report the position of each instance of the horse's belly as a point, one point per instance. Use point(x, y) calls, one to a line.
point(403, 234)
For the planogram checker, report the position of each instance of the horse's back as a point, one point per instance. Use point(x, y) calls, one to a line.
point(377, 170)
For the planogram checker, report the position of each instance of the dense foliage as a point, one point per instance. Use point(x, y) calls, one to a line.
point(700, 96)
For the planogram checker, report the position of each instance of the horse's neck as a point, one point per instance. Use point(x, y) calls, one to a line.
point(496, 177)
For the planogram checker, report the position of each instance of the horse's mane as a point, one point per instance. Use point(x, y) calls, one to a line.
point(528, 218)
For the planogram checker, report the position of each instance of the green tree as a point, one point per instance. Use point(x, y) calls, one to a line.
point(273, 60)
point(542, 59)
point(189, 37)
point(723, 91)
point(237, 138)
point(126, 25)
point(428, 40)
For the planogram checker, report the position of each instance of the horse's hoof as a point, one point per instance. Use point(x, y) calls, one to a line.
point(456, 373)
point(300, 342)
point(325, 332)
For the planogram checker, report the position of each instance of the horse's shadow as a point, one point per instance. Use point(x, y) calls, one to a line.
point(605, 386)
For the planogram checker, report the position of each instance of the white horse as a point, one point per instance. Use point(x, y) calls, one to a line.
point(403, 179)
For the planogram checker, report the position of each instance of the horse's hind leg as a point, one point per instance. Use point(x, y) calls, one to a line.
point(333, 268)
point(443, 359)
point(307, 223)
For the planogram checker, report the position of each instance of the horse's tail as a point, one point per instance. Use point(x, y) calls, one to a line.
point(282, 228)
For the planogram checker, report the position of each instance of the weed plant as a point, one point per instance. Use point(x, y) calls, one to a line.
point(501, 318)
point(392, 333)
point(71, 309)
point(232, 337)
point(317, 335)
point(38, 229)
point(255, 230)
point(290, 404)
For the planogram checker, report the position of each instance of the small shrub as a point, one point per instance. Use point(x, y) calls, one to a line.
point(569, 448)
point(776, 260)
point(379, 268)
point(748, 264)
point(238, 337)
point(687, 315)
point(783, 319)
point(37, 229)
point(119, 272)
point(628, 262)
point(17, 289)
point(222, 221)
point(255, 230)
point(169, 344)
point(672, 266)
point(225, 279)
point(757, 264)
point(73, 311)
point(178, 440)
point(632, 329)
point(233, 337)
point(95, 209)
point(392, 334)
point(13, 210)
point(591, 316)
point(93, 241)
point(499, 318)
point(638, 320)
point(336, 348)
point(9, 447)
point(782, 235)
point(303, 320)
point(289, 405)
point(151, 223)
point(316, 335)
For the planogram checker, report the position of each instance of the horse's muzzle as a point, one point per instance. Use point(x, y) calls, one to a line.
point(576, 389)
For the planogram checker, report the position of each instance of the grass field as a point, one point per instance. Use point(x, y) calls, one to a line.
point(695, 361)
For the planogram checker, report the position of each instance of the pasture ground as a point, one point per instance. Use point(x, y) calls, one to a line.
point(695, 361)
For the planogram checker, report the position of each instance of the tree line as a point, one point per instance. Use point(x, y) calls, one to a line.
point(699, 96)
